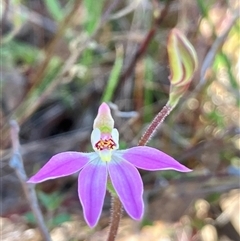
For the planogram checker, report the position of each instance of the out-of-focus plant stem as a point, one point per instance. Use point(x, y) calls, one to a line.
point(16, 163)
point(4, 15)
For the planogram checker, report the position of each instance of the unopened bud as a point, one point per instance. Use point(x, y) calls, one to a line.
point(183, 63)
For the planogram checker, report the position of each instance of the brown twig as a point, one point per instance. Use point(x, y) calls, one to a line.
point(16, 163)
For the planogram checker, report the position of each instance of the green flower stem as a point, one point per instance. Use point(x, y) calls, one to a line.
point(115, 218)
point(160, 117)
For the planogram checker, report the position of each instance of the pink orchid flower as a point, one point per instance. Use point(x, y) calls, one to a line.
point(107, 161)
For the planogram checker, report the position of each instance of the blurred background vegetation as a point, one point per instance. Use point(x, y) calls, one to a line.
point(60, 59)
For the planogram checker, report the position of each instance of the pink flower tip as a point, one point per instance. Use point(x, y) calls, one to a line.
point(104, 109)
point(104, 121)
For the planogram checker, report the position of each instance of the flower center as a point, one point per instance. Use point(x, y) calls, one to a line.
point(107, 144)
point(105, 148)
point(104, 143)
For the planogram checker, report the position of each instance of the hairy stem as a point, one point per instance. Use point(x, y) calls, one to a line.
point(115, 218)
point(160, 117)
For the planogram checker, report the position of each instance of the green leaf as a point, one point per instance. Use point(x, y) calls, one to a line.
point(170, 174)
point(228, 64)
point(30, 217)
point(61, 218)
point(213, 197)
point(146, 222)
point(217, 118)
point(148, 94)
point(55, 9)
point(198, 223)
point(94, 11)
point(18, 51)
point(203, 8)
point(50, 201)
point(114, 76)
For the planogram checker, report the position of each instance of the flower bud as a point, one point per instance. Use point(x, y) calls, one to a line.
point(183, 63)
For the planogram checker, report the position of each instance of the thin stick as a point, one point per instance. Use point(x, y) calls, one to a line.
point(115, 218)
point(16, 163)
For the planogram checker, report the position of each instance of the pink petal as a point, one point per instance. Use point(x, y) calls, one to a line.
point(60, 165)
point(128, 184)
point(92, 183)
point(149, 158)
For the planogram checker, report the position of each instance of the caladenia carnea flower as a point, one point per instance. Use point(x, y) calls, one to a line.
point(107, 163)
point(183, 63)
